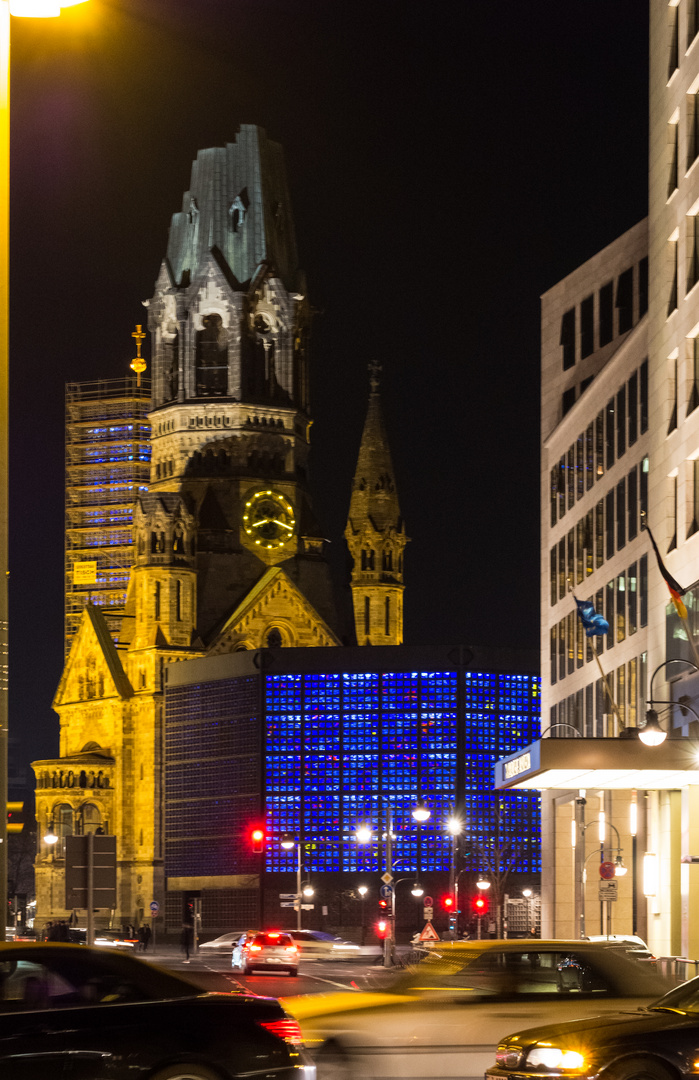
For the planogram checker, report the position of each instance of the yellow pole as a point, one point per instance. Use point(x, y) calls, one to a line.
point(4, 428)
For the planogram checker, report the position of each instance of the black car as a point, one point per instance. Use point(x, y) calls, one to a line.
point(660, 1042)
point(68, 1012)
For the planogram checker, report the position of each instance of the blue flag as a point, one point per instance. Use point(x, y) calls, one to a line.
point(595, 625)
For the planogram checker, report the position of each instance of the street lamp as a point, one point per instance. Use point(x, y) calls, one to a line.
point(25, 9)
point(454, 828)
point(364, 835)
point(363, 890)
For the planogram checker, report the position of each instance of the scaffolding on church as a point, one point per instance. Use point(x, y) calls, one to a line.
point(107, 468)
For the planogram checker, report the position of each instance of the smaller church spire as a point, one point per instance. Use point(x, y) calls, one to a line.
point(375, 533)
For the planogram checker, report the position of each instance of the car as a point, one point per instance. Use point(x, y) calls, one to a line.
point(632, 943)
point(656, 1043)
point(462, 999)
point(319, 945)
point(222, 944)
point(117, 939)
point(257, 950)
point(77, 1012)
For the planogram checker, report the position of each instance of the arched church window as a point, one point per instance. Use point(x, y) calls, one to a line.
point(178, 542)
point(178, 600)
point(157, 600)
point(63, 824)
point(91, 818)
point(153, 543)
point(171, 366)
point(82, 779)
point(274, 638)
point(212, 358)
point(387, 562)
point(367, 615)
point(387, 616)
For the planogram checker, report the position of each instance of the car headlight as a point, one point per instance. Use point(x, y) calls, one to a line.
point(553, 1057)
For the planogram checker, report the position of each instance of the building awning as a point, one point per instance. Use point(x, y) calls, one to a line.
point(607, 764)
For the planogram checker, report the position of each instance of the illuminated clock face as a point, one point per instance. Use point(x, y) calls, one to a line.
point(268, 519)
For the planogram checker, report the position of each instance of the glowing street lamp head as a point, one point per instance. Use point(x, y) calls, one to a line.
point(363, 834)
point(41, 9)
point(308, 891)
point(651, 733)
point(287, 842)
point(362, 890)
point(454, 826)
point(417, 890)
point(421, 813)
point(482, 883)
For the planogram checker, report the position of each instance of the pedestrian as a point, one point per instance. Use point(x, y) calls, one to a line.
point(144, 936)
point(186, 940)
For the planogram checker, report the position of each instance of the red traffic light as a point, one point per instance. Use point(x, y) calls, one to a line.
point(479, 905)
point(448, 903)
point(382, 928)
point(257, 838)
point(383, 904)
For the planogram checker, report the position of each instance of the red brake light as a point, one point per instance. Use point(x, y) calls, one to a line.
point(286, 1029)
point(254, 948)
point(272, 933)
point(291, 948)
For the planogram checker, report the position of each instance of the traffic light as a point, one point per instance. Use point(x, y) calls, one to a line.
point(449, 903)
point(15, 817)
point(383, 905)
point(382, 928)
point(257, 838)
point(479, 905)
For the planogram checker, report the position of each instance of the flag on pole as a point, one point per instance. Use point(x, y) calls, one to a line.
point(595, 624)
point(676, 590)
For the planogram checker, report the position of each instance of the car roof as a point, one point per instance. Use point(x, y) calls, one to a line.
point(526, 944)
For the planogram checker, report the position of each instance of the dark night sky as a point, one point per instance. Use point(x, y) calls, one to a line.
point(447, 163)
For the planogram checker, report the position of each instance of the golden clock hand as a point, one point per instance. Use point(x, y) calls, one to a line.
point(283, 524)
point(265, 521)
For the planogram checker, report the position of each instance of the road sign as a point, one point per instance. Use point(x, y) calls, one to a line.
point(307, 907)
point(429, 933)
point(287, 895)
point(428, 901)
point(428, 913)
point(386, 891)
point(387, 878)
point(103, 871)
point(608, 890)
point(154, 907)
point(288, 903)
point(606, 870)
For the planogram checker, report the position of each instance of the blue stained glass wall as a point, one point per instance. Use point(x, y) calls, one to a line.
point(340, 746)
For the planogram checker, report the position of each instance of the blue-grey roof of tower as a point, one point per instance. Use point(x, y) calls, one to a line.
point(251, 170)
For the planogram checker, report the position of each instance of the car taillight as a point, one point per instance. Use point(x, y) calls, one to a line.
point(255, 948)
point(286, 1029)
point(291, 948)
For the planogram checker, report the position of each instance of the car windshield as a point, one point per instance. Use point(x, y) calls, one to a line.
point(684, 998)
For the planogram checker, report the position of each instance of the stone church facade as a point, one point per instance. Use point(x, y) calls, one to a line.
point(228, 553)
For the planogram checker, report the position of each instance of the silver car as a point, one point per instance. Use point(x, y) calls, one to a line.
point(265, 950)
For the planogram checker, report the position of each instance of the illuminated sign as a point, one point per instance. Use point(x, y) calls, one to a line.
point(84, 573)
point(518, 765)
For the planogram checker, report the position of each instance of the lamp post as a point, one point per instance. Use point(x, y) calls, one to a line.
point(364, 835)
point(363, 890)
point(454, 828)
point(25, 9)
point(619, 869)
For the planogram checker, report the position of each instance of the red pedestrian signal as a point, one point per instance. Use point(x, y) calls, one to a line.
point(257, 837)
point(382, 928)
point(479, 905)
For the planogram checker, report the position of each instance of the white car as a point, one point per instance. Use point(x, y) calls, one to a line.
point(318, 945)
point(222, 944)
point(446, 1016)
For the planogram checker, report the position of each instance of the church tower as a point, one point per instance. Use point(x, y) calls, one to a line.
point(375, 535)
point(229, 325)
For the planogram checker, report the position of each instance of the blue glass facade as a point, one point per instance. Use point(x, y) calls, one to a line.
point(338, 747)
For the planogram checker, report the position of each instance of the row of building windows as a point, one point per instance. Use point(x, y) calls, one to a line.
point(578, 345)
point(602, 532)
point(615, 429)
point(590, 711)
point(690, 12)
point(624, 603)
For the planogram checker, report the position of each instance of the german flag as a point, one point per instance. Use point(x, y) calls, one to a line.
point(676, 590)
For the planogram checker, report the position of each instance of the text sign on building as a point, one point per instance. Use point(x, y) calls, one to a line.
point(521, 764)
point(103, 871)
point(84, 573)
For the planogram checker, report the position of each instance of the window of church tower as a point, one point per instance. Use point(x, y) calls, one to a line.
point(178, 600)
point(63, 824)
point(90, 818)
point(274, 639)
point(387, 616)
point(157, 600)
point(212, 358)
point(367, 615)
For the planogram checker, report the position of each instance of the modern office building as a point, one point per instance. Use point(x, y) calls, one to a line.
point(107, 470)
point(312, 743)
point(620, 436)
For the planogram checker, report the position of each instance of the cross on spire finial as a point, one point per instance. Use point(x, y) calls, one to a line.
point(138, 364)
point(375, 370)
